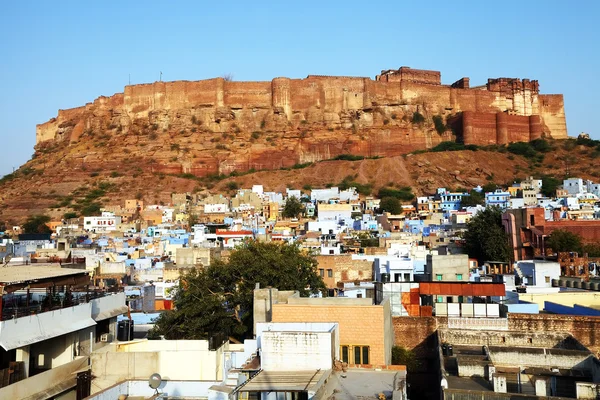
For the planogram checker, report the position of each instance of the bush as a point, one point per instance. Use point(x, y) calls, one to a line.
point(405, 193)
point(70, 215)
point(522, 149)
point(348, 157)
point(255, 135)
point(233, 185)
point(438, 121)
point(418, 118)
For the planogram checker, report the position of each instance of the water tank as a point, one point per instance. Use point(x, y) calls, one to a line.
point(385, 278)
point(125, 330)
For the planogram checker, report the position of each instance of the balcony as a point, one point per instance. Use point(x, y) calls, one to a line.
point(36, 323)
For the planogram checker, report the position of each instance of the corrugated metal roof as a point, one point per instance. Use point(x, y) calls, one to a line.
point(462, 289)
point(286, 381)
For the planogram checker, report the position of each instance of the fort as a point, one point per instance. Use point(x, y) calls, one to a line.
point(373, 117)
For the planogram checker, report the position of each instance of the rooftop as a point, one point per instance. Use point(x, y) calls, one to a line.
point(30, 273)
point(286, 381)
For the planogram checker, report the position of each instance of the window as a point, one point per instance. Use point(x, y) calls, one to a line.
point(547, 279)
point(440, 299)
point(345, 353)
point(359, 295)
point(459, 277)
point(406, 277)
point(321, 272)
point(331, 252)
point(330, 273)
point(355, 354)
point(438, 277)
point(397, 277)
point(361, 354)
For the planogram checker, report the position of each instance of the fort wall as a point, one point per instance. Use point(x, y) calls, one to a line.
point(502, 111)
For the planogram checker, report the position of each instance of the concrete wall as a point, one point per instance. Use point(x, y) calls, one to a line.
point(22, 331)
point(563, 298)
point(448, 266)
point(43, 381)
point(297, 351)
point(168, 387)
point(139, 360)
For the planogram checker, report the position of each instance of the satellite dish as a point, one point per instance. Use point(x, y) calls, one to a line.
point(154, 381)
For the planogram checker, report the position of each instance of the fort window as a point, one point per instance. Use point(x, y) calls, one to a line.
point(321, 272)
point(529, 340)
point(503, 339)
point(329, 273)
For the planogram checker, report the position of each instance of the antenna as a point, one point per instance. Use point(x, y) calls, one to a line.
point(160, 79)
point(154, 382)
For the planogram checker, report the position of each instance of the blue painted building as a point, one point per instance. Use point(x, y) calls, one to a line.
point(497, 198)
point(450, 201)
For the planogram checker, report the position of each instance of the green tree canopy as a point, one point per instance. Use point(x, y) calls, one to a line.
point(564, 241)
point(474, 198)
point(37, 224)
point(391, 205)
point(485, 238)
point(219, 298)
point(292, 208)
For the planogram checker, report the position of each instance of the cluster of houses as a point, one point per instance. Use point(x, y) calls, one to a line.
point(76, 305)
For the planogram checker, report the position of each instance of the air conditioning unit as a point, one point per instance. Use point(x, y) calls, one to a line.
point(104, 337)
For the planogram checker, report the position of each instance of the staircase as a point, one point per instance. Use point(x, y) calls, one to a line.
point(519, 273)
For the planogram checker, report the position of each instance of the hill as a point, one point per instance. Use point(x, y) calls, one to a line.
point(56, 180)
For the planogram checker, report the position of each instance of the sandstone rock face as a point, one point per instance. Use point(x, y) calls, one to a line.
point(219, 126)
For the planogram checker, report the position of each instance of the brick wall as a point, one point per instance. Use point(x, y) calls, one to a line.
point(412, 332)
point(586, 330)
point(344, 269)
point(359, 325)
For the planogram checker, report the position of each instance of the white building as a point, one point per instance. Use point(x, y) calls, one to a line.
point(537, 273)
point(51, 337)
point(574, 186)
point(105, 223)
point(216, 208)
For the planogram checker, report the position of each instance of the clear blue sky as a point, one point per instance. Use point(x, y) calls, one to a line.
point(62, 54)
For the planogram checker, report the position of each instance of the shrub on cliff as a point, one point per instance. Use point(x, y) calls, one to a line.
point(405, 193)
point(418, 118)
point(438, 121)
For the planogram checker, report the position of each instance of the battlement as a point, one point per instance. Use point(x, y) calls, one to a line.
point(407, 74)
point(512, 84)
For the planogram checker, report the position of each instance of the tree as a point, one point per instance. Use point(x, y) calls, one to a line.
point(474, 198)
point(37, 224)
point(218, 300)
point(292, 208)
point(391, 205)
point(70, 215)
point(549, 185)
point(564, 241)
point(485, 238)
